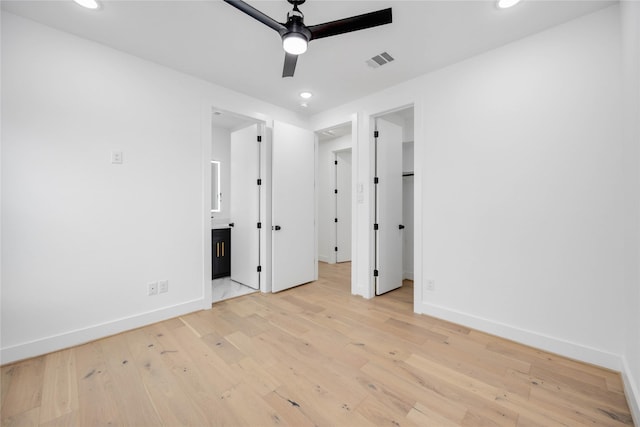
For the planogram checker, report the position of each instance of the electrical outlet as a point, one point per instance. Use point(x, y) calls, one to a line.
point(431, 285)
point(153, 288)
point(163, 286)
point(116, 157)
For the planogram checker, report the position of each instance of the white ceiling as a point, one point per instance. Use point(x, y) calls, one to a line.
point(216, 42)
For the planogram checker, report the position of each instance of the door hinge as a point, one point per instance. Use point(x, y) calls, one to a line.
point(375, 180)
point(335, 191)
point(375, 226)
point(335, 220)
point(375, 273)
point(259, 181)
point(376, 134)
point(335, 162)
point(259, 138)
point(259, 268)
point(335, 249)
point(259, 225)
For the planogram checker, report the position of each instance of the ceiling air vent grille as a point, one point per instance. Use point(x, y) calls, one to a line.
point(379, 60)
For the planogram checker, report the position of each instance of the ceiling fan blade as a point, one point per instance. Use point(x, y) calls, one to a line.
point(256, 14)
point(289, 65)
point(347, 25)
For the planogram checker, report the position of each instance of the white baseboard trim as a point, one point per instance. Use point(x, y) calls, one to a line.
point(408, 275)
point(531, 338)
point(324, 258)
point(631, 391)
point(80, 336)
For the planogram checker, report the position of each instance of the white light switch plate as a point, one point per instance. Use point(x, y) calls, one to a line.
point(116, 157)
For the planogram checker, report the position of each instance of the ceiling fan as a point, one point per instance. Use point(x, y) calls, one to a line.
point(295, 35)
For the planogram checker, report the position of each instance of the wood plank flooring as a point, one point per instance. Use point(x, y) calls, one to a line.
point(311, 356)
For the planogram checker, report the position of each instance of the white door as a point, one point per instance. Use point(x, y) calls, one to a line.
point(293, 207)
point(388, 206)
point(245, 206)
point(343, 206)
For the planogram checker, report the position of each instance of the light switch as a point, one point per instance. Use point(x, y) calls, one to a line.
point(116, 157)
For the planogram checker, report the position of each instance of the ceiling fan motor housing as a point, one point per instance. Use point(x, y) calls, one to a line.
point(295, 25)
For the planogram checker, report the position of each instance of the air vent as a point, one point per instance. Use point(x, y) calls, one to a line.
point(379, 60)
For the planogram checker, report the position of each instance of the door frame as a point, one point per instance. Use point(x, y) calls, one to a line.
point(353, 120)
point(417, 243)
point(207, 125)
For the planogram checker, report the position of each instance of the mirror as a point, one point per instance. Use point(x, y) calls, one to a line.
point(216, 195)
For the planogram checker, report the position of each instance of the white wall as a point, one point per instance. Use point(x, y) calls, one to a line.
point(630, 14)
point(523, 168)
point(221, 151)
point(520, 208)
point(326, 196)
point(81, 238)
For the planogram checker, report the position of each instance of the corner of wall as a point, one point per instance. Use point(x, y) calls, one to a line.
point(555, 345)
point(631, 391)
point(95, 332)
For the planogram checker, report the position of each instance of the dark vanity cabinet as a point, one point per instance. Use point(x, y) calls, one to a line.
point(221, 252)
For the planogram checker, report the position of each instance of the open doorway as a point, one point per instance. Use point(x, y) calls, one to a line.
point(393, 199)
point(334, 167)
point(236, 204)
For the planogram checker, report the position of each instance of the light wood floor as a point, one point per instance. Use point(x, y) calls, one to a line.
point(310, 356)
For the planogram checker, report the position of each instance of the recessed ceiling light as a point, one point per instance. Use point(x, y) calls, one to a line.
point(305, 95)
point(504, 4)
point(304, 104)
point(89, 4)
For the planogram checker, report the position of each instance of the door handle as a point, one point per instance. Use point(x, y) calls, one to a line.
point(231, 224)
point(277, 227)
point(401, 227)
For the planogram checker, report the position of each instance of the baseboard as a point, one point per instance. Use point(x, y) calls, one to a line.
point(523, 336)
point(408, 275)
point(91, 333)
point(631, 391)
point(324, 258)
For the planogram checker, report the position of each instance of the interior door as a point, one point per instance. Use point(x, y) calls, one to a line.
point(293, 207)
point(245, 206)
point(388, 159)
point(343, 206)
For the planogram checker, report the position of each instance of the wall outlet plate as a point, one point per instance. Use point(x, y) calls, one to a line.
point(117, 157)
point(163, 286)
point(152, 288)
point(431, 285)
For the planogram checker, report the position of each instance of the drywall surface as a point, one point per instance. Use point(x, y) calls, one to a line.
point(83, 237)
point(221, 151)
point(630, 20)
point(520, 207)
point(523, 176)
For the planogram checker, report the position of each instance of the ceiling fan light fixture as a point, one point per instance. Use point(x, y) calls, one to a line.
point(296, 35)
point(505, 4)
point(89, 4)
point(294, 43)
